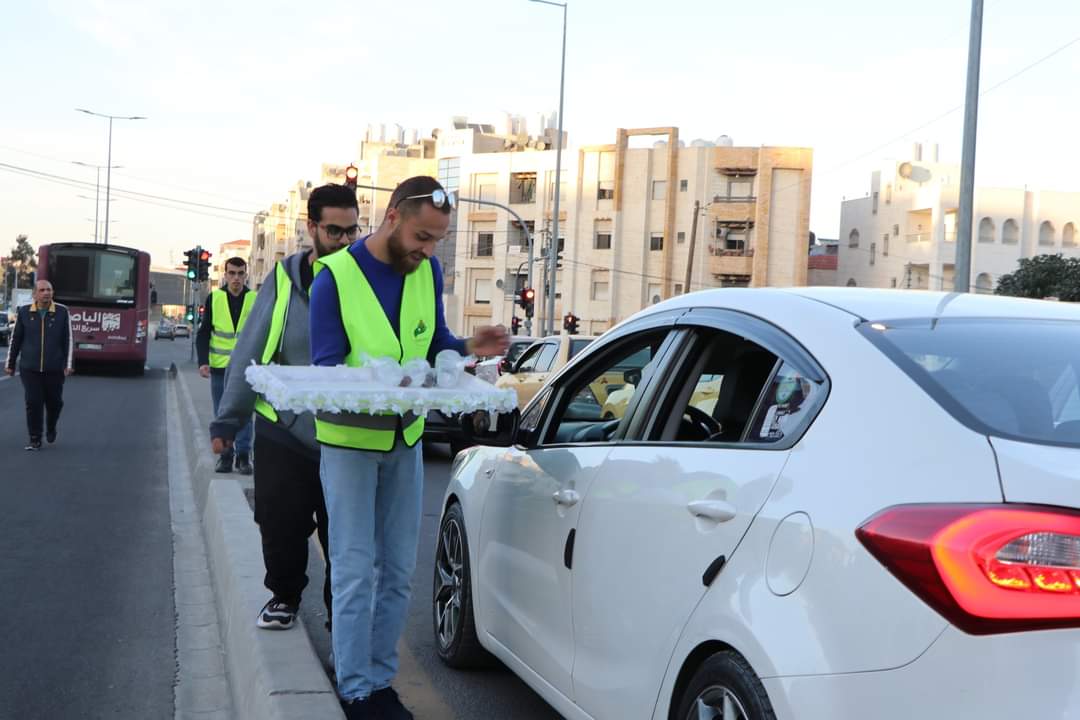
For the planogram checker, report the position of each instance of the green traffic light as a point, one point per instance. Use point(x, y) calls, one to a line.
point(190, 274)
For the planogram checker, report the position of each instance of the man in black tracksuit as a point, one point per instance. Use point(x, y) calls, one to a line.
point(42, 336)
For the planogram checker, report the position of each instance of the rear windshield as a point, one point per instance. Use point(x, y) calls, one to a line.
point(1018, 379)
point(90, 276)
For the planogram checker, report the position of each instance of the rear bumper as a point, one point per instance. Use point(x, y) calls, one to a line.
point(998, 677)
point(111, 353)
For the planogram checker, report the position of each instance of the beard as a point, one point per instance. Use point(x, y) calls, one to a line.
point(402, 261)
point(323, 249)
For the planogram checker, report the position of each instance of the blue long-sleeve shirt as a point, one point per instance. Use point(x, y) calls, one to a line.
point(330, 344)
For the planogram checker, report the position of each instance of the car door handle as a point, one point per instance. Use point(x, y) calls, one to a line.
point(716, 510)
point(566, 497)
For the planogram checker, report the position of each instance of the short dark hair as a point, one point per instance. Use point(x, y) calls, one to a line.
point(236, 262)
point(417, 185)
point(330, 195)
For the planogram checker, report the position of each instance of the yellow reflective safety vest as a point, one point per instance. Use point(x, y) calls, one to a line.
point(280, 316)
point(370, 333)
point(223, 335)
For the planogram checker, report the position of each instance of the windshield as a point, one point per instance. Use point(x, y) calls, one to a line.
point(577, 346)
point(515, 350)
point(1018, 379)
point(84, 275)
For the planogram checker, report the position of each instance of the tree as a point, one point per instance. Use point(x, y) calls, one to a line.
point(21, 262)
point(1043, 276)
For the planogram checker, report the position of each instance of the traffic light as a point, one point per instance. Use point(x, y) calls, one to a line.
point(515, 324)
point(351, 173)
point(570, 323)
point(204, 265)
point(526, 298)
point(192, 263)
point(190, 314)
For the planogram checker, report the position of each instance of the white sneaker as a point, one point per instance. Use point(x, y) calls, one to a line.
point(276, 615)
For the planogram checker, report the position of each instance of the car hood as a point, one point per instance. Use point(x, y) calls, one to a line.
point(1039, 474)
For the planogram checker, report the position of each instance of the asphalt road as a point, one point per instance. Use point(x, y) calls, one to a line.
point(88, 625)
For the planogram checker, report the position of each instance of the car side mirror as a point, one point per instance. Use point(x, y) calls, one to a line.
point(492, 429)
point(632, 377)
point(505, 366)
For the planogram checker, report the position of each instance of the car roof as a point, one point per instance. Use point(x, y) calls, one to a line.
point(880, 304)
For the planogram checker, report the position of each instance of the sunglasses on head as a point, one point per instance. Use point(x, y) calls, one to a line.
point(439, 198)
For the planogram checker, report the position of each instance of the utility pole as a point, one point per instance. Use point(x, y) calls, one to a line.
point(693, 240)
point(962, 274)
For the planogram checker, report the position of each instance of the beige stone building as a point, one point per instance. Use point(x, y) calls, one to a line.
point(627, 227)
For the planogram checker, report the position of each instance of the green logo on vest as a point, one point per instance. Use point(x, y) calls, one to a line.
point(421, 328)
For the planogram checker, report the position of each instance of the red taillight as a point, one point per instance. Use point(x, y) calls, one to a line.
point(986, 568)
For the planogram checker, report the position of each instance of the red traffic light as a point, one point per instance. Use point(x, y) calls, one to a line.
point(528, 294)
point(204, 255)
point(202, 309)
point(351, 173)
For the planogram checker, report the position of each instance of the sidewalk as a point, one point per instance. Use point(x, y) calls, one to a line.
point(273, 674)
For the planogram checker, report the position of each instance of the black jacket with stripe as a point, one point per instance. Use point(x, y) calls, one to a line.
point(41, 344)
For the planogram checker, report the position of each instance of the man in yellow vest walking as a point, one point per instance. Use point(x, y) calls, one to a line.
point(380, 298)
point(226, 312)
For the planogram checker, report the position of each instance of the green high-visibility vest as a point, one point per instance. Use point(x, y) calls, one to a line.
point(283, 287)
point(223, 334)
point(370, 333)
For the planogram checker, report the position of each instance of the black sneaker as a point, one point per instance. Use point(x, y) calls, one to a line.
point(243, 464)
point(276, 615)
point(50, 435)
point(388, 706)
point(34, 444)
point(361, 710)
point(224, 463)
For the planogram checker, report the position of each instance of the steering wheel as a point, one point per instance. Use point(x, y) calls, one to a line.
point(596, 432)
point(703, 420)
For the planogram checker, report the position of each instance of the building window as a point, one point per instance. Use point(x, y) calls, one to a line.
point(875, 202)
point(678, 288)
point(853, 239)
point(986, 230)
point(1046, 233)
point(896, 230)
point(680, 237)
point(601, 285)
point(1068, 235)
point(516, 282)
point(893, 281)
point(654, 294)
point(885, 246)
point(659, 189)
point(522, 188)
point(449, 173)
point(984, 284)
point(656, 242)
point(485, 244)
point(735, 240)
point(605, 190)
point(602, 241)
point(486, 192)
point(523, 233)
point(1010, 232)
point(551, 187)
point(888, 193)
point(482, 291)
point(851, 282)
point(873, 253)
point(684, 185)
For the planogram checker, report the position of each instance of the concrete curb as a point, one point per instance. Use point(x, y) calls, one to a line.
point(272, 674)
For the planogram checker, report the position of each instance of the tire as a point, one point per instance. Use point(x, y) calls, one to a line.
point(725, 678)
point(453, 623)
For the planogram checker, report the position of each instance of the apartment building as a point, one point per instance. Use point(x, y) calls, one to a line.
point(628, 236)
point(903, 232)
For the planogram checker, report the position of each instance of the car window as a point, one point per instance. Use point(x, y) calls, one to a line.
point(1002, 377)
point(548, 353)
point(515, 350)
point(578, 345)
point(721, 391)
point(530, 421)
point(786, 406)
point(598, 398)
point(528, 359)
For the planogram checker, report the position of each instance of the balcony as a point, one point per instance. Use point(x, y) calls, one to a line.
point(731, 262)
point(734, 199)
point(918, 237)
point(728, 209)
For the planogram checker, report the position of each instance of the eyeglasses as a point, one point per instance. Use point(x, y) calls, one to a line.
point(336, 231)
point(439, 198)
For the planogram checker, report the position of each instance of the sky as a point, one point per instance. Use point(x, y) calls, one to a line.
point(244, 98)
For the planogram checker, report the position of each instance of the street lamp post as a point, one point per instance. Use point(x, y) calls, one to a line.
point(965, 219)
point(553, 252)
point(108, 164)
point(97, 192)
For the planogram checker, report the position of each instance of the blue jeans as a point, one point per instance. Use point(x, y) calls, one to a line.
point(373, 501)
point(242, 442)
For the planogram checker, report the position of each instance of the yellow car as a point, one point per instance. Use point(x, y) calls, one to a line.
point(542, 360)
point(704, 398)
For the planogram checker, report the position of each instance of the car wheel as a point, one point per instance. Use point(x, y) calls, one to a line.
point(451, 597)
point(725, 688)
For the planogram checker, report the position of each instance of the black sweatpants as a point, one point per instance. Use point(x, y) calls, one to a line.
point(44, 393)
point(289, 506)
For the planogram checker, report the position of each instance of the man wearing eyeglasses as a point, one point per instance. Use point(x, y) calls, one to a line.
point(226, 311)
point(289, 502)
point(381, 298)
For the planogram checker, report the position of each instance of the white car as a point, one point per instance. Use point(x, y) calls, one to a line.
point(878, 519)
